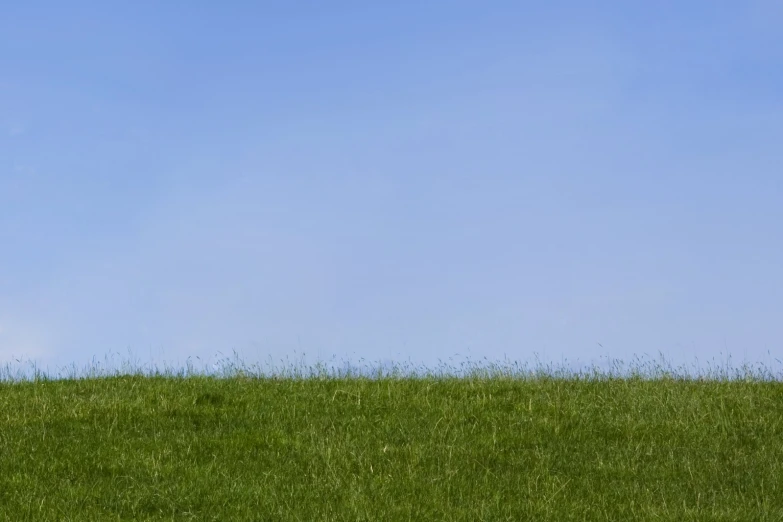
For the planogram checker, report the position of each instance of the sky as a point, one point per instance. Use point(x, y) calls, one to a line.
point(562, 181)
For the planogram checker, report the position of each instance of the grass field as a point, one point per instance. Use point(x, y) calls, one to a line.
point(488, 445)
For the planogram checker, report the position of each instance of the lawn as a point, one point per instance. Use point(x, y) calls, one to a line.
point(427, 447)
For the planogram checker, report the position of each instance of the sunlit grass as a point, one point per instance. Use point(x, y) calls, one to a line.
point(476, 442)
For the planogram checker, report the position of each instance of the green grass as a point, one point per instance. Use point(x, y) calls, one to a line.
point(489, 445)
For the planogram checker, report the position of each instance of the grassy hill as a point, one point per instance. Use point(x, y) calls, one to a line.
point(330, 447)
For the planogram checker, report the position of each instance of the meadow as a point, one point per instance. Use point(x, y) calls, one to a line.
point(492, 443)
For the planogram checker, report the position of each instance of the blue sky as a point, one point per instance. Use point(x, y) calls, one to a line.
point(399, 181)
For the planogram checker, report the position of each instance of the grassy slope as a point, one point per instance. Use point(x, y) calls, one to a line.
point(201, 448)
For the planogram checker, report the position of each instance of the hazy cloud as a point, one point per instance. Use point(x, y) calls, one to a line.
point(14, 129)
point(20, 168)
point(21, 343)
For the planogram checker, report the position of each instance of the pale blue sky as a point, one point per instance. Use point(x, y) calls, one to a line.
point(391, 180)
